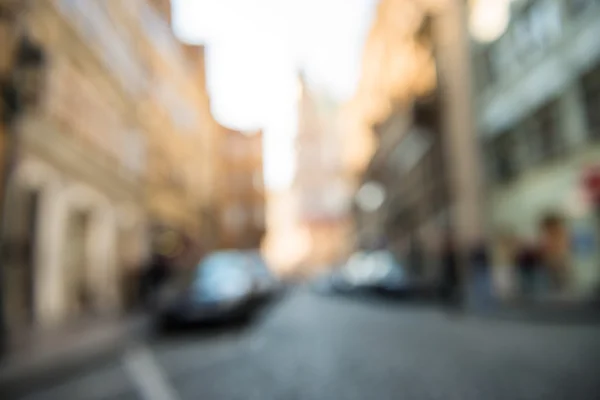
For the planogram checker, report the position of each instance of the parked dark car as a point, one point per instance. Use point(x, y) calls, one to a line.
point(220, 291)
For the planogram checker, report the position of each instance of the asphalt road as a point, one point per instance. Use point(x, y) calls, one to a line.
point(314, 347)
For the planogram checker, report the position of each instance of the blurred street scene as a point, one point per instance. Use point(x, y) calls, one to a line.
point(305, 188)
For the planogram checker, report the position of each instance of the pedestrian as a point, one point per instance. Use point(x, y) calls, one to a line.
point(481, 276)
point(554, 253)
point(154, 277)
point(528, 265)
point(505, 272)
point(450, 285)
point(415, 258)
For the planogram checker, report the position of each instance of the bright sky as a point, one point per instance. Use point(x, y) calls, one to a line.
point(256, 47)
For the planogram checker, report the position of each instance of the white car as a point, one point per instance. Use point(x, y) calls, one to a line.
point(370, 269)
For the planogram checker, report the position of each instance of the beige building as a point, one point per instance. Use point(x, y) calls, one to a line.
point(181, 132)
point(121, 139)
point(77, 193)
point(241, 190)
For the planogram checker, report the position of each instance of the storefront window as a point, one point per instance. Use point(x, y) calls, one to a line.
point(577, 8)
point(546, 128)
point(536, 28)
point(489, 72)
point(590, 85)
point(505, 157)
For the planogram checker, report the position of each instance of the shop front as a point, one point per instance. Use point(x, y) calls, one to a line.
point(554, 212)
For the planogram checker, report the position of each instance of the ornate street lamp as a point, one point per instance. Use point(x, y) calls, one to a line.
point(22, 88)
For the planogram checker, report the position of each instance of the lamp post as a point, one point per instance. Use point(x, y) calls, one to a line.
point(19, 90)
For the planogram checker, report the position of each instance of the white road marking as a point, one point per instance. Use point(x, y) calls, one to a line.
point(147, 375)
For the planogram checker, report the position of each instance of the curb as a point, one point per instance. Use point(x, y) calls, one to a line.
point(544, 314)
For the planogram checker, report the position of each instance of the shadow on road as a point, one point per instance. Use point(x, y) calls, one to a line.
point(233, 326)
point(536, 314)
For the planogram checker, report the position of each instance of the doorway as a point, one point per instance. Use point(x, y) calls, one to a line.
point(80, 299)
point(24, 224)
point(28, 261)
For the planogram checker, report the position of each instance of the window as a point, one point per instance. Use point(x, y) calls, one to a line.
point(181, 111)
point(591, 98)
point(134, 151)
point(488, 160)
point(159, 33)
point(502, 56)
point(523, 35)
point(536, 139)
point(92, 20)
point(489, 75)
point(545, 20)
point(504, 149)
point(411, 149)
point(416, 176)
point(545, 133)
point(577, 8)
point(537, 27)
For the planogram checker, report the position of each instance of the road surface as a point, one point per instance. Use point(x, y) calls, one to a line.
point(315, 347)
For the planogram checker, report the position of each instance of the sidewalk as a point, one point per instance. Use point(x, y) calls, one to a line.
point(67, 349)
point(544, 311)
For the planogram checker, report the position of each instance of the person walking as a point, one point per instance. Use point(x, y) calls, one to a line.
point(528, 265)
point(481, 277)
point(450, 285)
point(153, 278)
point(554, 254)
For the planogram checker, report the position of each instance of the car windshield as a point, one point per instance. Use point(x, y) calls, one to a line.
point(222, 274)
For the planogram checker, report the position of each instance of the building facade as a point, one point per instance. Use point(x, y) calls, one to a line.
point(414, 99)
point(320, 184)
point(241, 190)
point(538, 91)
point(116, 144)
point(410, 167)
point(181, 131)
point(77, 219)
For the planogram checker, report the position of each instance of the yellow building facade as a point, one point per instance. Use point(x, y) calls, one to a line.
point(121, 140)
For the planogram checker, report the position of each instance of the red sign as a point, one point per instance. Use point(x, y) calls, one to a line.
point(591, 181)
